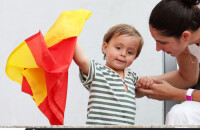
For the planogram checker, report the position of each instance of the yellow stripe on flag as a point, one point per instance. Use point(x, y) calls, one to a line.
point(69, 24)
point(36, 79)
point(18, 60)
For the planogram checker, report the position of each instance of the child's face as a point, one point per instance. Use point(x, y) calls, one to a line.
point(120, 51)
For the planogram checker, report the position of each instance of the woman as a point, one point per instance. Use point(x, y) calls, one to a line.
point(175, 25)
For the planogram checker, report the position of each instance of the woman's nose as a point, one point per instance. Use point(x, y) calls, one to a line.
point(158, 47)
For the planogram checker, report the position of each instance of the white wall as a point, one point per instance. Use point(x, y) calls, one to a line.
point(23, 18)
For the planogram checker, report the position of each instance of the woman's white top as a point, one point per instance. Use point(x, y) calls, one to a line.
point(195, 50)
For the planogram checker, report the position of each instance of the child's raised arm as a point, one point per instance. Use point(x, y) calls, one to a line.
point(80, 59)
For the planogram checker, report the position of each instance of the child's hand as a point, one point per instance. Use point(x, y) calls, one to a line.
point(144, 82)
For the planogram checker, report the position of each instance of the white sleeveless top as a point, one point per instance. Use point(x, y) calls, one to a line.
point(195, 50)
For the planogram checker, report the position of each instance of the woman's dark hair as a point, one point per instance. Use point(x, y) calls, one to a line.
point(173, 17)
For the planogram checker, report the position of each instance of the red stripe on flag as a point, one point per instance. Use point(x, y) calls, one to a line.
point(35, 44)
point(44, 108)
point(55, 61)
point(26, 87)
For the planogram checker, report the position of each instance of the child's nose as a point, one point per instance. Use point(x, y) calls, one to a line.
point(123, 53)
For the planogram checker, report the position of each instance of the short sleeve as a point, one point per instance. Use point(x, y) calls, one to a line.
point(86, 80)
point(135, 78)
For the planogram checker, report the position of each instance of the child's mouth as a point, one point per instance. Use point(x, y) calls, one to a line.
point(120, 61)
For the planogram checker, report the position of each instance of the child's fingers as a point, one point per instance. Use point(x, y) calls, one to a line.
point(149, 82)
point(152, 81)
point(138, 85)
point(140, 82)
point(144, 82)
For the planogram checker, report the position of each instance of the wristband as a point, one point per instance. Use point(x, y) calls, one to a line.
point(188, 95)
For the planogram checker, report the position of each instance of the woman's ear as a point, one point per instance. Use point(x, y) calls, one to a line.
point(105, 46)
point(186, 35)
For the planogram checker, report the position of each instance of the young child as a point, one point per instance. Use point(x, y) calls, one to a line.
point(112, 86)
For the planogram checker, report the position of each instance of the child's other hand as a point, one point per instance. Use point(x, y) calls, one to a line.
point(144, 82)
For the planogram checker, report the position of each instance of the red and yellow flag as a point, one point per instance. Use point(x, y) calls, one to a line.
point(40, 64)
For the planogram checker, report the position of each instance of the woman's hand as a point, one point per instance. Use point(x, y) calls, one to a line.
point(162, 90)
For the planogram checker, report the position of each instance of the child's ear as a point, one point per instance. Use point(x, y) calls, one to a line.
point(105, 46)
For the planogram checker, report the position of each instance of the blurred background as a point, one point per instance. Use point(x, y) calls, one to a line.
point(21, 19)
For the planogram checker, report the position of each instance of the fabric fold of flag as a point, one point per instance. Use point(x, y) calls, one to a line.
point(40, 64)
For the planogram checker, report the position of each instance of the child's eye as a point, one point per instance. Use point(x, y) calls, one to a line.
point(130, 52)
point(118, 48)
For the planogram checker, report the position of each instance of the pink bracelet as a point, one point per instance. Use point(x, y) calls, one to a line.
point(188, 95)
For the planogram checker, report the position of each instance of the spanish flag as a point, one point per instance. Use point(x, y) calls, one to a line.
point(40, 64)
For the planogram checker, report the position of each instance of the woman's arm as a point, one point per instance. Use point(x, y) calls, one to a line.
point(172, 85)
point(162, 90)
point(80, 59)
point(187, 74)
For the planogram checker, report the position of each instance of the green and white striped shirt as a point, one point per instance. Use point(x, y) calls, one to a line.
point(109, 103)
